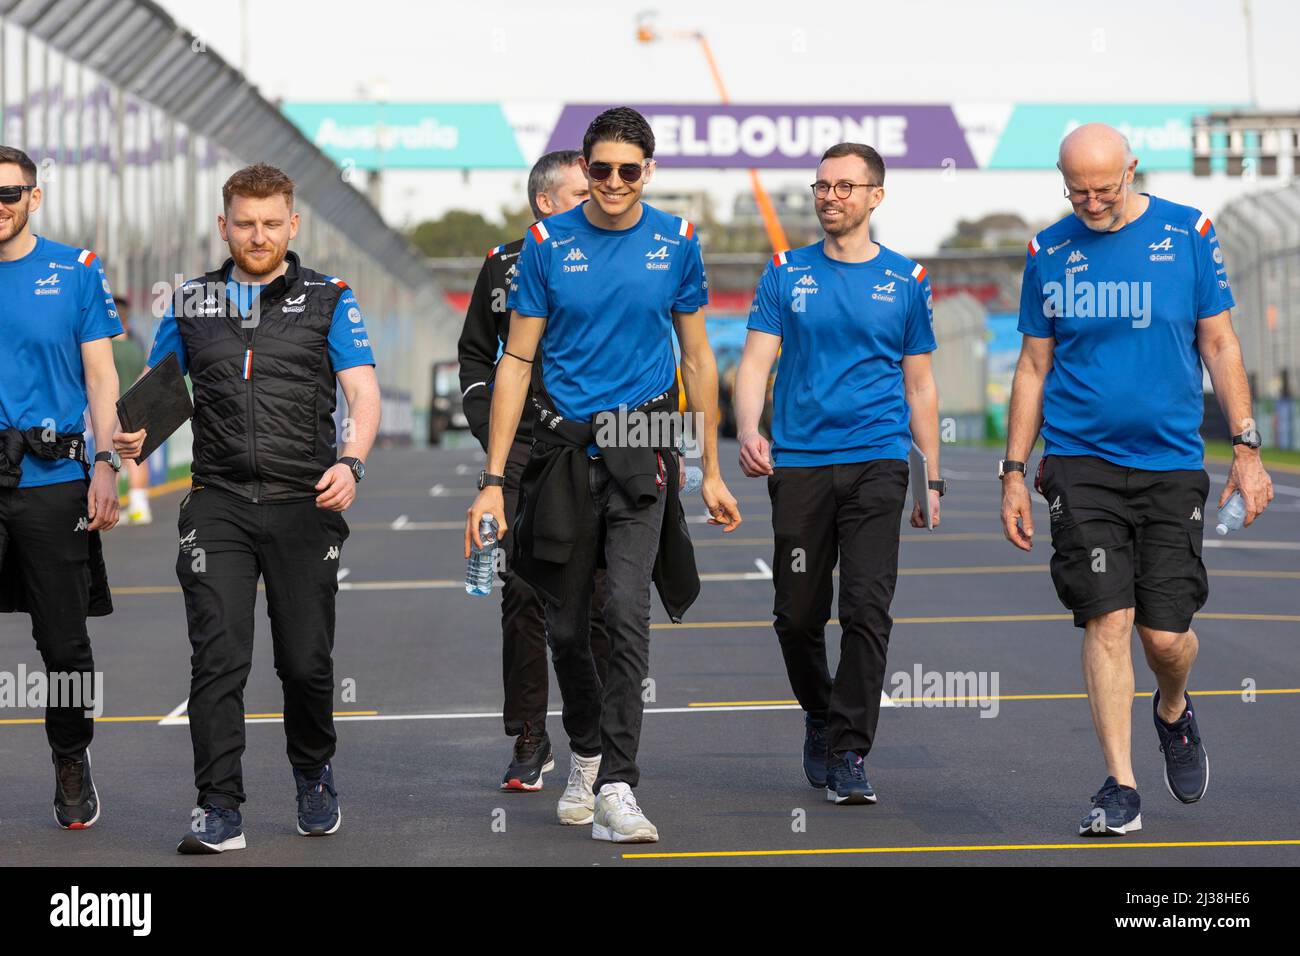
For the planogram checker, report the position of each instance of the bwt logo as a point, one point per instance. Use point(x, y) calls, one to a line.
point(75, 909)
point(1085, 299)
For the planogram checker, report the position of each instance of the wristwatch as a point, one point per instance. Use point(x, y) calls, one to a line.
point(484, 480)
point(357, 466)
point(940, 485)
point(1249, 438)
point(112, 457)
point(1007, 465)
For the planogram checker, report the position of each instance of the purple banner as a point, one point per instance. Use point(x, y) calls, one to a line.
point(781, 136)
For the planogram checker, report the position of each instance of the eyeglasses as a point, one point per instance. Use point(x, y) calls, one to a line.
point(1105, 196)
point(12, 194)
point(843, 189)
point(628, 172)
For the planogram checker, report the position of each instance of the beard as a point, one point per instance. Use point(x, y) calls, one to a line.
point(17, 223)
point(259, 267)
point(842, 224)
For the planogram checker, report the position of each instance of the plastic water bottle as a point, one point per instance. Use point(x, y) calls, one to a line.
point(1232, 514)
point(694, 478)
point(480, 572)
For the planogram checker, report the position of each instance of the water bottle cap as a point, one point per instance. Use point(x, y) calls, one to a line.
point(1221, 528)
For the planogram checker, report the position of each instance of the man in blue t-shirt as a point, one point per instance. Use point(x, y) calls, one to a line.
point(266, 342)
point(1122, 301)
point(852, 322)
point(602, 288)
point(57, 321)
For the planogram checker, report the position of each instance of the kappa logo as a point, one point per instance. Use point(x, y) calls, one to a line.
point(1196, 514)
point(82, 524)
point(579, 261)
point(1076, 256)
point(332, 554)
point(296, 305)
point(805, 285)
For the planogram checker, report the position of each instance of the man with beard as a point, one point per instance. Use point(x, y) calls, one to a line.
point(264, 340)
point(852, 322)
point(1123, 301)
point(57, 321)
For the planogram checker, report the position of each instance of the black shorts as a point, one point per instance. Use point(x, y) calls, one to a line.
point(1124, 537)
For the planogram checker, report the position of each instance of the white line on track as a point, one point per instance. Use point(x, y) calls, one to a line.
point(343, 573)
point(763, 567)
point(437, 491)
point(400, 522)
point(177, 715)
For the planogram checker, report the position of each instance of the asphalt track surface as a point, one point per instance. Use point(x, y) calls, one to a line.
point(419, 761)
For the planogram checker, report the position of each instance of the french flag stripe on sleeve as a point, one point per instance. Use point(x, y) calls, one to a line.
point(685, 228)
point(493, 251)
point(86, 257)
point(778, 260)
point(919, 272)
point(1203, 225)
point(1033, 246)
point(335, 280)
point(539, 233)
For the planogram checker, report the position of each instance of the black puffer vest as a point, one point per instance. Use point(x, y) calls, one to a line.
point(264, 390)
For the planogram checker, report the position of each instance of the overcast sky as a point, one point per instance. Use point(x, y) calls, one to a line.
point(908, 52)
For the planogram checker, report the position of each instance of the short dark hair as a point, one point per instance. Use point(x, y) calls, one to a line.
point(622, 124)
point(875, 165)
point(259, 181)
point(545, 174)
point(8, 154)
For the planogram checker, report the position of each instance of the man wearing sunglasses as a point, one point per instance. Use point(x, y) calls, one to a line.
point(555, 184)
point(852, 322)
point(601, 288)
point(57, 321)
point(1122, 303)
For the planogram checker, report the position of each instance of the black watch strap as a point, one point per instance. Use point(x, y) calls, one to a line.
point(1249, 438)
point(1008, 465)
point(109, 457)
point(485, 480)
point(940, 485)
point(355, 465)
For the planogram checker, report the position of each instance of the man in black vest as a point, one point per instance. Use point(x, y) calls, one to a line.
point(263, 339)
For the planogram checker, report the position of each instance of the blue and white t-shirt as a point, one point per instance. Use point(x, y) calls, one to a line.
point(52, 301)
point(844, 329)
point(608, 297)
point(1125, 382)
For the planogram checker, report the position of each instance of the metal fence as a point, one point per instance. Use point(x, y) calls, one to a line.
point(135, 124)
point(1260, 235)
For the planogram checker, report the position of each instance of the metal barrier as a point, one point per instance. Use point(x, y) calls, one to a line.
point(1260, 235)
point(135, 125)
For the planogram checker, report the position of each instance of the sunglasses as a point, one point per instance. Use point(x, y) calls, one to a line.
point(628, 172)
point(13, 194)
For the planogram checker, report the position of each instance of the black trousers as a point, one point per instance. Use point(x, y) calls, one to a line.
point(227, 543)
point(524, 666)
point(850, 514)
point(43, 530)
point(604, 716)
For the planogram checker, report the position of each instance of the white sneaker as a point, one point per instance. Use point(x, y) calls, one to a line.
point(577, 802)
point(138, 511)
point(618, 819)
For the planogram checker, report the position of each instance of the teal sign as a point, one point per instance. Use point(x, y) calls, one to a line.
point(1160, 134)
point(410, 135)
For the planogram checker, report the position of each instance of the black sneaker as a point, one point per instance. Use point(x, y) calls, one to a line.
point(846, 780)
point(533, 758)
point(76, 802)
point(1187, 768)
point(1116, 810)
point(318, 803)
point(214, 830)
point(814, 751)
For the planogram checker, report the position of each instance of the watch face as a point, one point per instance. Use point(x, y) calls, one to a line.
point(359, 469)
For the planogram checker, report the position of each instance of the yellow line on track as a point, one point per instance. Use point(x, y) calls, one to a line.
point(1236, 692)
point(974, 848)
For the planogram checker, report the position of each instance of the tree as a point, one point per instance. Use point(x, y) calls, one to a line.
point(459, 233)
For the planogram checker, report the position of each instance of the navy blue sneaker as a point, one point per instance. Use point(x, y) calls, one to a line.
point(318, 803)
point(1187, 768)
point(814, 751)
point(846, 780)
point(214, 830)
point(1116, 810)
